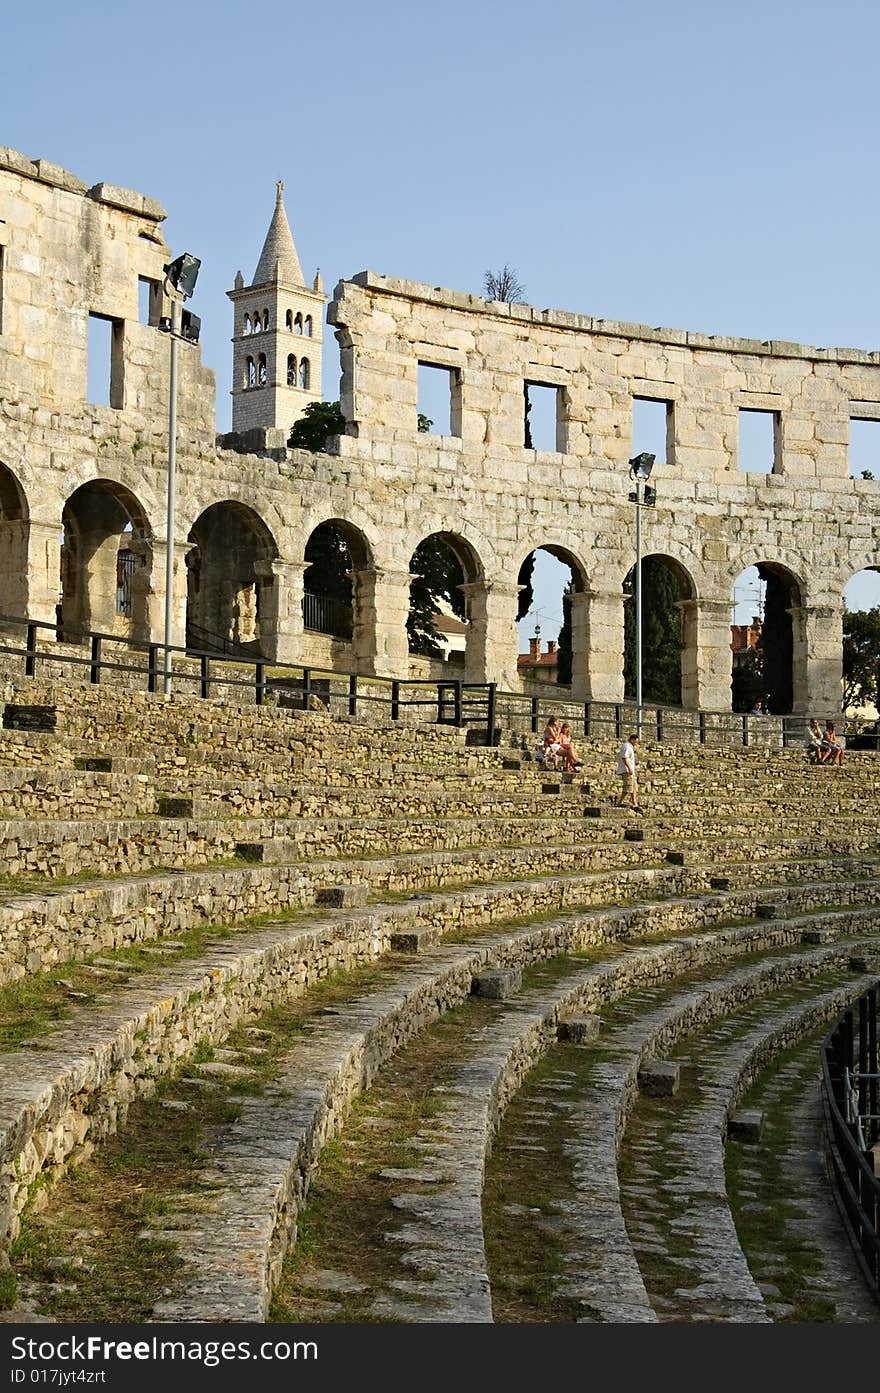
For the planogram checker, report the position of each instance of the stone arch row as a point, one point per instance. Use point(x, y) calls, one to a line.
point(258, 325)
point(240, 590)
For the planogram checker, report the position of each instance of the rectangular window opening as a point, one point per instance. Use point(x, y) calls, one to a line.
point(1, 289)
point(758, 451)
point(105, 361)
point(864, 448)
point(543, 416)
point(439, 400)
point(652, 429)
point(149, 301)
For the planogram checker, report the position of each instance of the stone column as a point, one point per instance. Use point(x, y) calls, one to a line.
point(281, 609)
point(178, 606)
point(381, 608)
point(492, 637)
point(43, 571)
point(603, 635)
point(580, 646)
point(817, 660)
point(706, 660)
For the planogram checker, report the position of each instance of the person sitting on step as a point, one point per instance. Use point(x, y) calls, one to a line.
point(570, 759)
point(816, 752)
point(551, 747)
point(832, 744)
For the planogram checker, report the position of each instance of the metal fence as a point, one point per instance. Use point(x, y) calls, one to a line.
point(852, 1126)
point(325, 615)
point(480, 707)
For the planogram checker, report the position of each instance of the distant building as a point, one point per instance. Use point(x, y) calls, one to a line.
point(541, 667)
point(744, 638)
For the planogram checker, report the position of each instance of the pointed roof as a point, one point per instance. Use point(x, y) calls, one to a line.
point(278, 259)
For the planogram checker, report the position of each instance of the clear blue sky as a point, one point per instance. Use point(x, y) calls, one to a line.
point(681, 164)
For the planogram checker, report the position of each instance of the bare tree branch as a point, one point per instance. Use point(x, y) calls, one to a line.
point(504, 285)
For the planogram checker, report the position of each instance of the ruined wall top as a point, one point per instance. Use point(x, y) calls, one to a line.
point(111, 194)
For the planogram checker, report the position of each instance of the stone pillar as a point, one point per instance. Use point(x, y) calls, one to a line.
point(706, 660)
point(43, 571)
point(381, 608)
point(492, 637)
point(580, 646)
point(281, 609)
point(603, 635)
point(817, 660)
point(157, 602)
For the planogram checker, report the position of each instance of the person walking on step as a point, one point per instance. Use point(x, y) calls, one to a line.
point(626, 773)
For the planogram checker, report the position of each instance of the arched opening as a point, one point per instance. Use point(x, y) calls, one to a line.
point(230, 582)
point(443, 567)
point(258, 327)
point(298, 324)
point(247, 324)
point(769, 658)
point(288, 319)
point(261, 370)
point(13, 546)
point(265, 321)
point(106, 562)
point(305, 374)
point(308, 325)
point(250, 373)
point(860, 701)
point(549, 578)
point(334, 552)
point(291, 370)
point(666, 652)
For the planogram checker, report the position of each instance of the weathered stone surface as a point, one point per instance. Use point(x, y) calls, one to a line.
point(497, 983)
point(578, 1030)
point(660, 1078)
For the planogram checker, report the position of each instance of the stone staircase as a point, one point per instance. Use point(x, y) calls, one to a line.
point(291, 926)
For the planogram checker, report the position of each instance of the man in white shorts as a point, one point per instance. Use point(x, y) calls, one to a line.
point(626, 772)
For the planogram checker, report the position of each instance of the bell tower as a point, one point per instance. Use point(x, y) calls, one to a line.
point(277, 335)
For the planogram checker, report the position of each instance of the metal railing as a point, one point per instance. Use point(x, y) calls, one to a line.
point(324, 615)
point(852, 1127)
point(479, 706)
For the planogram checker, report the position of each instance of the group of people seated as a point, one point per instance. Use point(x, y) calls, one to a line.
point(823, 747)
point(557, 750)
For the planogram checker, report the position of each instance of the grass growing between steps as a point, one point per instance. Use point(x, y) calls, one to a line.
point(84, 1252)
point(525, 1193)
point(764, 1190)
point(348, 1213)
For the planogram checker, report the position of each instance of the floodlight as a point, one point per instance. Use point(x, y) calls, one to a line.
point(640, 467)
point(183, 272)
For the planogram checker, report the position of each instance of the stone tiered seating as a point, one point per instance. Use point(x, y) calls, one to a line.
point(302, 864)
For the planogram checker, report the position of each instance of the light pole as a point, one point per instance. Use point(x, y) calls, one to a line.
point(180, 280)
point(640, 472)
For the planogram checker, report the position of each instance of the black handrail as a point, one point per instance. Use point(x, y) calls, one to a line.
point(852, 1127)
point(477, 705)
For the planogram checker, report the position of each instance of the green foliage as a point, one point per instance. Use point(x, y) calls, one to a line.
point(867, 474)
point(776, 644)
point(319, 421)
point(329, 571)
point(861, 657)
point(437, 574)
point(526, 595)
point(425, 422)
point(563, 671)
point(661, 634)
point(747, 682)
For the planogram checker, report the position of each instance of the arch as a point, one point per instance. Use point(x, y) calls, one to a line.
point(14, 536)
point(247, 324)
point(307, 326)
point(291, 369)
point(261, 370)
point(549, 576)
point(288, 320)
point(250, 372)
point(106, 561)
point(230, 580)
point(444, 568)
point(768, 641)
point(298, 323)
point(669, 632)
point(305, 374)
point(258, 324)
point(265, 321)
point(335, 550)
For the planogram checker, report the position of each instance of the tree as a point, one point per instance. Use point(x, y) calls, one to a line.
point(504, 285)
point(861, 657)
point(526, 597)
point(320, 420)
point(437, 574)
point(329, 571)
point(661, 634)
point(776, 644)
point(563, 650)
